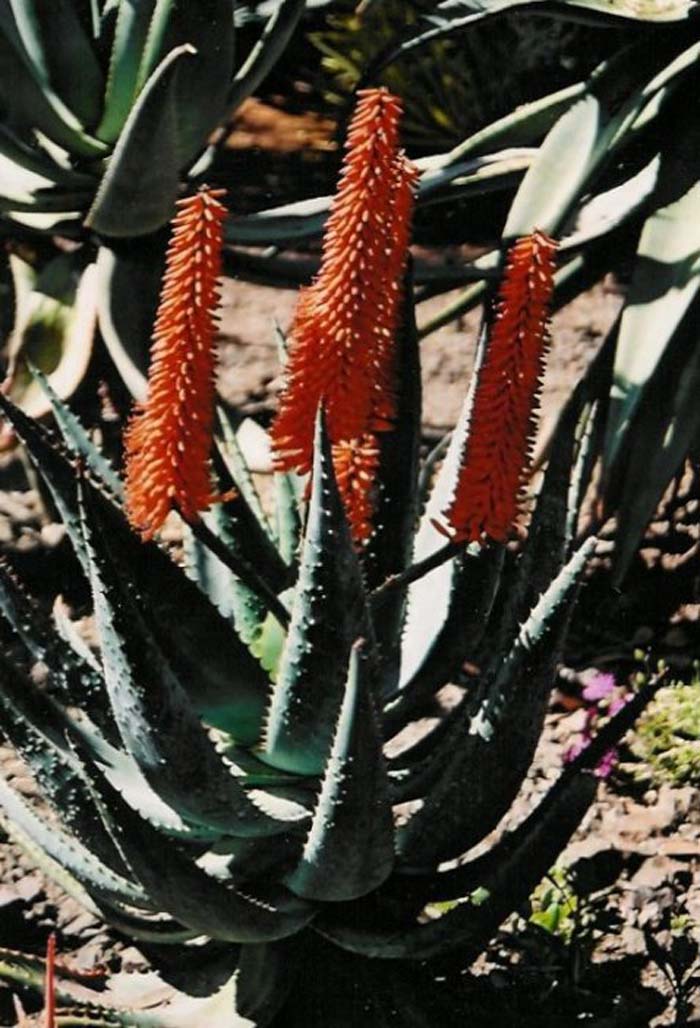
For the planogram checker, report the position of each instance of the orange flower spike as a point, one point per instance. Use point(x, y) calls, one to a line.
point(504, 412)
point(168, 440)
point(343, 331)
point(355, 464)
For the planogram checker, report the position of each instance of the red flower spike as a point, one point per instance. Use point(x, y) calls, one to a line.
point(504, 412)
point(343, 334)
point(355, 464)
point(168, 440)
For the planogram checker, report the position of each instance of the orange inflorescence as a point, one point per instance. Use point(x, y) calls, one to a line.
point(355, 462)
point(503, 417)
point(168, 440)
point(342, 349)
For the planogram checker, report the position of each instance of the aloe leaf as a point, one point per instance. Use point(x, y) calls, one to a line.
point(479, 779)
point(157, 722)
point(454, 16)
point(190, 895)
point(124, 273)
point(61, 54)
point(160, 18)
point(34, 102)
point(264, 979)
point(69, 852)
point(234, 457)
point(525, 856)
point(328, 614)
point(29, 177)
point(584, 138)
point(663, 427)
point(22, 710)
point(130, 32)
point(76, 438)
point(233, 598)
point(447, 608)
point(201, 90)
point(33, 159)
point(138, 190)
point(291, 222)
point(349, 850)
point(521, 127)
point(269, 47)
point(225, 683)
point(288, 518)
point(606, 211)
point(388, 551)
point(54, 326)
point(665, 280)
point(70, 675)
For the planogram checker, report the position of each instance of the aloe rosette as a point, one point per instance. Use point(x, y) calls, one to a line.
point(239, 760)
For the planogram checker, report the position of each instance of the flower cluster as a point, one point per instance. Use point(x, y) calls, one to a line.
point(342, 352)
point(168, 440)
point(502, 425)
point(602, 698)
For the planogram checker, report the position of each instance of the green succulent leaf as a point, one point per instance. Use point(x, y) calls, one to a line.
point(265, 977)
point(138, 190)
point(128, 289)
point(194, 897)
point(128, 40)
point(203, 84)
point(499, 727)
point(663, 427)
point(524, 857)
point(157, 722)
point(225, 683)
point(61, 54)
point(76, 438)
point(665, 280)
point(29, 95)
point(266, 52)
point(349, 850)
point(54, 328)
point(388, 551)
point(67, 851)
point(30, 722)
point(448, 607)
point(585, 137)
point(328, 614)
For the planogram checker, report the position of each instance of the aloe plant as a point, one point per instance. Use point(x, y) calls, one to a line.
point(109, 110)
point(237, 760)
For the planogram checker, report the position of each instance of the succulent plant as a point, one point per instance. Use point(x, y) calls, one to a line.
point(239, 761)
point(107, 111)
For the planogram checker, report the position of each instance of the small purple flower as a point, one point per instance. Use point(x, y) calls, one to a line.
point(604, 768)
point(601, 702)
point(599, 687)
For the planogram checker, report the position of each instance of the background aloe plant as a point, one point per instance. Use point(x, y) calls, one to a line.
point(106, 111)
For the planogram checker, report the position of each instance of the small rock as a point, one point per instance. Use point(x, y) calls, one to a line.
point(30, 888)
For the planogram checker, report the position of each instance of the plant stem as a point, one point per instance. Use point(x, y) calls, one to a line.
point(241, 569)
point(415, 571)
